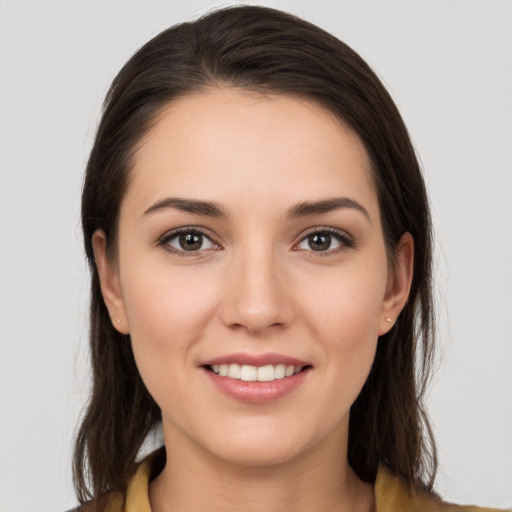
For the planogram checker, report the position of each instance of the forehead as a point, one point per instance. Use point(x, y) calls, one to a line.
point(229, 145)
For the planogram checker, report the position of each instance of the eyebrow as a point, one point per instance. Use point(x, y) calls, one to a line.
point(302, 209)
point(208, 208)
point(307, 208)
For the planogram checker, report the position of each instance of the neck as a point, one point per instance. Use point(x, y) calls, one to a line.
point(320, 479)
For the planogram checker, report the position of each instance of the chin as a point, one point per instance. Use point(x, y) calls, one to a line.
point(257, 455)
point(260, 446)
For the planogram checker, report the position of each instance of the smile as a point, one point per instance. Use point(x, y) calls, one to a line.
point(250, 373)
point(256, 378)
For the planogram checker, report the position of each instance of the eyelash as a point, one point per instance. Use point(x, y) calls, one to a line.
point(345, 241)
point(188, 230)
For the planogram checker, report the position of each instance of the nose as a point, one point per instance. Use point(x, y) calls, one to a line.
point(256, 296)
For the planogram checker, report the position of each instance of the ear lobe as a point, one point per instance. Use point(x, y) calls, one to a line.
point(399, 283)
point(110, 283)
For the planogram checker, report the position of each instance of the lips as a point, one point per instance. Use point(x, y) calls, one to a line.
point(256, 379)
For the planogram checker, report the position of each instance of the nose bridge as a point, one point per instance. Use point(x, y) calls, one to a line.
point(255, 298)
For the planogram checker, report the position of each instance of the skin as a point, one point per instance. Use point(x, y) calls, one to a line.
point(255, 286)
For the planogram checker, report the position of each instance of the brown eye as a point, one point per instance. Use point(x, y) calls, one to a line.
point(319, 241)
point(325, 241)
point(188, 241)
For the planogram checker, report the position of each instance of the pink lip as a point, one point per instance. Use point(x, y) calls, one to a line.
point(255, 360)
point(256, 392)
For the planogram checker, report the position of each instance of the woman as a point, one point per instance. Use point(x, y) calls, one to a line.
point(260, 245)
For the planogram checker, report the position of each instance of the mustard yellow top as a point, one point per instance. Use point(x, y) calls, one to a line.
point(392, 494)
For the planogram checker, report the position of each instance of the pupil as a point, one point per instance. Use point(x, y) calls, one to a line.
point(191, 241)
point(320, 242)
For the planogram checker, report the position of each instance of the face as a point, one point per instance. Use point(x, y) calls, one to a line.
point(251, 274)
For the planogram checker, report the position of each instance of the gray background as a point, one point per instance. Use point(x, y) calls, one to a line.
point(447, 63)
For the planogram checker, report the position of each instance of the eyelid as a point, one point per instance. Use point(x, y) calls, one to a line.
point(163, 240)
point(346, 240)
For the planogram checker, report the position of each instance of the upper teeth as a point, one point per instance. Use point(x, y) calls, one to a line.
point(255, 373)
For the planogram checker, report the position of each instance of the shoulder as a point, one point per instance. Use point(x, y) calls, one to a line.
point(135, 496)
point(393, 494)
point(111, 502)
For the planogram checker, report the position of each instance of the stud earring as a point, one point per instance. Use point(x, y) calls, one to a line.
point(388, 319)
point(118, 321)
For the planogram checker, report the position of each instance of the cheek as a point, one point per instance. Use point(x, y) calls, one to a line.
point(343, 315)
point(347, 302)
point(162, 296)
point(168, 310)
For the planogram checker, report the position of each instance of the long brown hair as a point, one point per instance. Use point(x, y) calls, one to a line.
point(265, 50)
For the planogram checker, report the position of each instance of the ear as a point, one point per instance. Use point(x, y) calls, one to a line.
point(110, 282)
point(399, 283)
